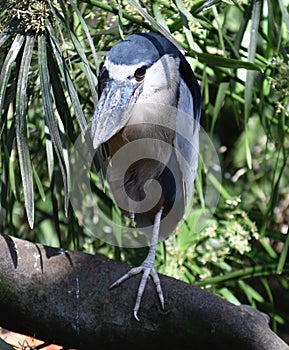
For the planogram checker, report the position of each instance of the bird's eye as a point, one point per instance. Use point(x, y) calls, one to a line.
point(140, 73)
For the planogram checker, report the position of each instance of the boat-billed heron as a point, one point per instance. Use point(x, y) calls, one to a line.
point(150, 105)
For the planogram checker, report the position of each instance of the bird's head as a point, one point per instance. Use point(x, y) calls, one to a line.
point(144, 68)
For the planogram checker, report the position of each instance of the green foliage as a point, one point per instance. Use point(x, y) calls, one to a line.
point(50, 51)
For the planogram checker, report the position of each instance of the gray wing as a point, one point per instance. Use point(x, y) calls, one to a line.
point(187, 137)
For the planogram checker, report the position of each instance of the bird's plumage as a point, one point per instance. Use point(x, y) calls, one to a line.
point(150, 106)
point(141, 48)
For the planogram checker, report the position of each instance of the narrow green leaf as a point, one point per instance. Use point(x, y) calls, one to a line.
point(55, 209)
point(251, 293)
point(221, 94)
point(66, 167)
point(220, 61)
point(159, 17)
point(284, 254)
point(50, 116)
point(228, 295)
point(38, 183)
point(49, 154)
point(249, 272)
point(267, 288)
point(268, 248)
point(59, 97)
point(248, 151)
point(204, 5)
point(21, 130)
point(273, 31)
point(199, 186)
point(92, 79)
point(279, 319)
point(120, 20)
point(186, 17)
point(117, 220)
point(281, 163)
point(219, 186)
point(6, 71)
point(242, 28)
point(285, 15)
point(108, 8)
point(12, 181)
point(11, 158)
point(180, 5)
point(145, 15)
point(8, 176)
point(67, 79)
point(219, 28)
point(255, 19)
point(155, 24)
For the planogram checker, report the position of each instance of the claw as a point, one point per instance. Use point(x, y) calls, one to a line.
point(147, 272)
point(135, 315)
point(148, 269)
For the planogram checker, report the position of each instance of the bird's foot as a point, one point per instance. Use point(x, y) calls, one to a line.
point(147, 271)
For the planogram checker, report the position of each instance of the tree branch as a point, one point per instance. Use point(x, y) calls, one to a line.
point(64, 297)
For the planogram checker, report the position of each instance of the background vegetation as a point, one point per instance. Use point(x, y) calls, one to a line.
point(50, 52)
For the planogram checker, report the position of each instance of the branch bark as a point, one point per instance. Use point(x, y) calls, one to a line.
point(63, 297)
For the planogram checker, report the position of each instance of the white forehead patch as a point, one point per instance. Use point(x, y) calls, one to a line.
point(121, 72)
point(163, 72)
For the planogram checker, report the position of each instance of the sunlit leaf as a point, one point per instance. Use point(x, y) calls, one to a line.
point(38, 183)
point(155, 24)
point(6, 71)
point(224, 193)
point(92, 79)
point(87, 33)
point(108, 8)
point(186, 17)
point(160, 19)
point(227, 294)
point(204, 5)
point(67, 80)
point(21, 130)
point(59, 96)
point(251, 293)
point(256, 10)
point(285, 15)
point(222, 90)
point(284, 255)
point(215, 60)
point(50, 115)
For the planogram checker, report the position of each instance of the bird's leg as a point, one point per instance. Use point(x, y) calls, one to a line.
point(147, 268)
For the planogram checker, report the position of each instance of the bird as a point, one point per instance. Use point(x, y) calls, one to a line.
point(149, 108)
